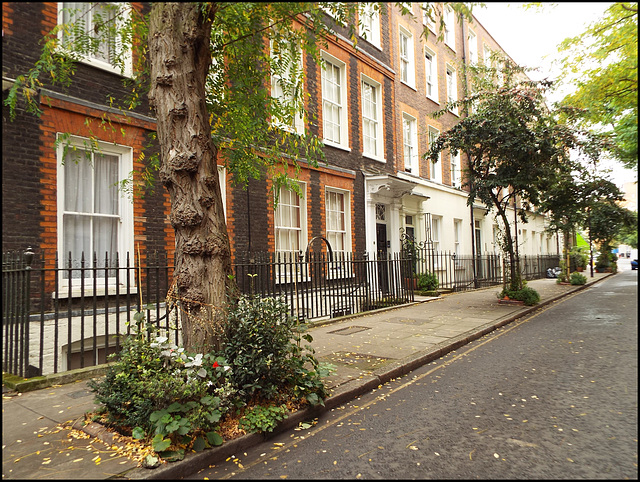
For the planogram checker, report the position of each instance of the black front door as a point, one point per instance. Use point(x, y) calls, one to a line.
point(383, 268)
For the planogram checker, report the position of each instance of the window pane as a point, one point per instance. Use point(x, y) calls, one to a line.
point(105, 235)
point(106, 188)
point(77, 240)
point(331, 105)
point(78, 184)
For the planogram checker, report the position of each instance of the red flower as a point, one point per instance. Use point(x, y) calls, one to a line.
point(215, 364)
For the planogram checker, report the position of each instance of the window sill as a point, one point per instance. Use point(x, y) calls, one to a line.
point(409, 85)
point(377, 45)
point(107, 67)
point(337, 146)
point(373, 158)
point(287, 279)
point(88, 292)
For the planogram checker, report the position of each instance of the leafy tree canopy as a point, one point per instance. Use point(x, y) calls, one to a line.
point(602, 65)
point(517, 149)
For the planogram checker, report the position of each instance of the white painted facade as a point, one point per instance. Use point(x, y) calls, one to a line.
point(409, 201)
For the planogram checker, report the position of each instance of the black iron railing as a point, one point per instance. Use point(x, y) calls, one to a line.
point(59, 315)
point(73, 314)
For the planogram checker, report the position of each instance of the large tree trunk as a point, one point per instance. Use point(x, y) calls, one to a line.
point(179, 36)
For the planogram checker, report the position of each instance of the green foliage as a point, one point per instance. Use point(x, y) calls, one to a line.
point(155, 387)
point(563, 277)
point(608, 220)
point(578, 278)
point(579, 256)
point(516, 146)
point(601, 67)
point(262, 345)
point(628, 234)
point(263, 418)
point(527, 295)
point(428, 282)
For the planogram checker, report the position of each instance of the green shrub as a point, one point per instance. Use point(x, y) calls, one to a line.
point(262, 343)
point(155, 387)
point(578, 278)
point(527, 295)
point(579, 257)
point(428, 282)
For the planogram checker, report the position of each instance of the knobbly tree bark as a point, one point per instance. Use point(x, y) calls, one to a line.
point(179, 57)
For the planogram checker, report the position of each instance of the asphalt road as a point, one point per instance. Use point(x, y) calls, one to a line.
point(551, 396)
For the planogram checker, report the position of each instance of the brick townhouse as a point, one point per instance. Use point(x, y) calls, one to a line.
point(373, 116)
point(372, 103)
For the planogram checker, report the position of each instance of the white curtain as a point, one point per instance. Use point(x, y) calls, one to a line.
point(91, 210)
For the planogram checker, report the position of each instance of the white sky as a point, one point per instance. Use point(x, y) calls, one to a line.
point(530, 37)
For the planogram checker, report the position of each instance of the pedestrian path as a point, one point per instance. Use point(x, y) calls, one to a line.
point(367, 350)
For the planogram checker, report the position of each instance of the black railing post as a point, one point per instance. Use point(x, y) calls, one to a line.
point(28, 259)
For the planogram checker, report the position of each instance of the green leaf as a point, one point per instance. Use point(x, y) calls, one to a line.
point(214, 438)
point(160, 444)
point(199, 444)
point(172, 455)
point(157, 415)
point(213, 416)
point(150, 462)
point(173, 426)
point(138, 433)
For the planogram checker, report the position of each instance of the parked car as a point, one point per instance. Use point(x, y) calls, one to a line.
point(634, 264)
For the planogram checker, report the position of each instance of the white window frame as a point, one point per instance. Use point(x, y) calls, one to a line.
point(339, 105)
point(426, 20)
point(457, 240)
point(125, 241)
point(278, 214)
point(449, 27)
point(436, 231)
point(301, 273)
point(222, 179)
point(407, 58)
point(486, 54)
point(370, 24)
point(456, 178)
point(435, 173)
point(93, 61)
point(431, 75)
point(368, 120)
point(472, 39)
point(410, 143)
point(452, 87)
point(277, 92)
point(338, 268)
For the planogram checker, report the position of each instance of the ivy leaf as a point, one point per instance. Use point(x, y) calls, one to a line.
point(138, 433)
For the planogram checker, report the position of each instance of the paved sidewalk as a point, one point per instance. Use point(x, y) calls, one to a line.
point(367, 349)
